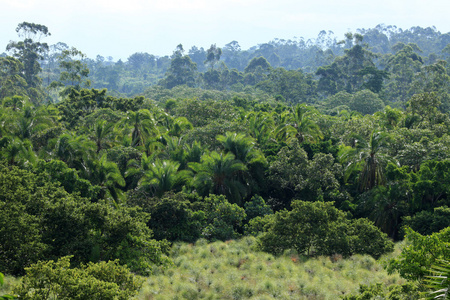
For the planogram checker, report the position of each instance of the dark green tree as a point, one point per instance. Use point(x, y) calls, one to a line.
point(217, 173)
point(181, 71)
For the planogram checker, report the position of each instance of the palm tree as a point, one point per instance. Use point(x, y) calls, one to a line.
point(143, 126)
point(102, 130)
point(173, 149)
point(244, 150)
point(306, 129)
point(194, 152)
point(439, 282)
point(107, 175)
point(77, 151)
point(163, 176)
point(241, 146)
point(260, 126)
point(29, 121)
point(16, 151)
point(217, 173)
point(179, 125)
point(369, 158)
point(137, 169)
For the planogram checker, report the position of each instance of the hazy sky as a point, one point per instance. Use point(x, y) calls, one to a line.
point(121, 28)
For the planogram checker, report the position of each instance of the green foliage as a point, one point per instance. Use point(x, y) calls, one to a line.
point(318, 228)
point(104, 280)
point(432, 185)
point(223, 218)
point(57, 170)
point(41, 220)
point(2, 283)
point(366, 102)
point(173, 218)
point(438, 282)
point(426, 222)
point(406, 291)
point(421, 253)
point(235, 138)
point(292, 175)
point(257, 207)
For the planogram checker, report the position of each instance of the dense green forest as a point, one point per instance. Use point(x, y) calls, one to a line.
point(324, 151)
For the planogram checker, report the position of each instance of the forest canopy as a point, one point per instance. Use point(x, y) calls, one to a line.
point(322, 147)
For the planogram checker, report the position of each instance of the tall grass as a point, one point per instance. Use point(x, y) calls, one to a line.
point(234, 270)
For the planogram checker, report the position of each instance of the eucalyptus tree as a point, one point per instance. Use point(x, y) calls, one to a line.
point(182, 70)
point(29, 52)
point(213, 56)
point(11, 81)
point(353, 71)
point(74, 72)
point(402, 66)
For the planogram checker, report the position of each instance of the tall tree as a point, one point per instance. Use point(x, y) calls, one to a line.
point(74, 72)
point(11, 80)
point(181, 71)
point(29, 52)
point(213, 56)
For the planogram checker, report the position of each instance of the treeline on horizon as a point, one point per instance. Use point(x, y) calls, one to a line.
point(231, 69)
point(340, 160)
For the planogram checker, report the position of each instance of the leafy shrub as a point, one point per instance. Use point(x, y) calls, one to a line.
point(174, 220)
point(257, 207)
point(104, 280)
point(40, 220)
point(426, 222)
point(223, 218)
point(421, 253)
point(318, 228)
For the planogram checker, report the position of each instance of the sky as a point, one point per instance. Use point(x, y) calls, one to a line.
point(121, 28)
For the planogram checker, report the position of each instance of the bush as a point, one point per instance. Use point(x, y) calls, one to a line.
point(40, 220)
point(223, 218)
point(174, 220)
point(426, 222)
point(105, 280)
point(318, 228)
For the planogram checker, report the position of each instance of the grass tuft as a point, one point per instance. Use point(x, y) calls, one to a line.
point(234, 270)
